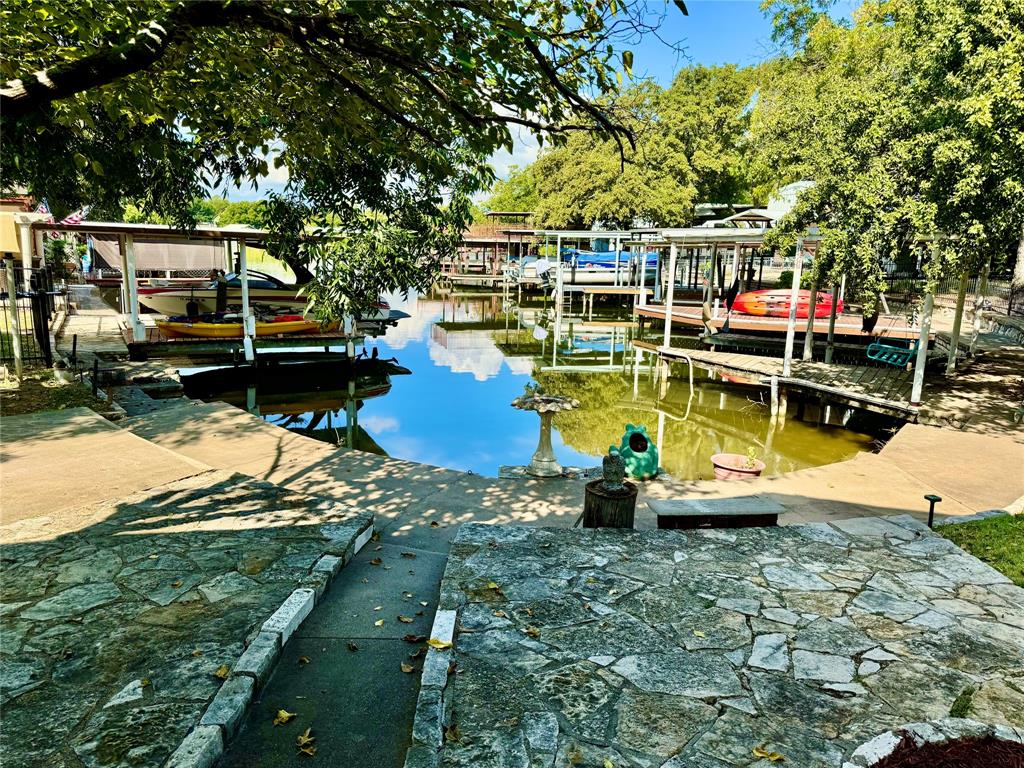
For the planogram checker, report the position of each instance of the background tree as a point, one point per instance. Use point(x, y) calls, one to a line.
point(690, 147)
point(383, 113)
point(518, 192)
point(911, 123)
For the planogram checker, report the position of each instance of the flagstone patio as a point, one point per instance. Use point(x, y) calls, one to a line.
point(671, 648)
point(118, 632)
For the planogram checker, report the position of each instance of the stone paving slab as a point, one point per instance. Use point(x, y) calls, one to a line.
point(673, 649)
point(114, 632)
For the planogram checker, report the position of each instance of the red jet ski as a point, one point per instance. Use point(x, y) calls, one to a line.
point(775, 303)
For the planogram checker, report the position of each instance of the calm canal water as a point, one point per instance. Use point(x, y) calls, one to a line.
point(468, 360)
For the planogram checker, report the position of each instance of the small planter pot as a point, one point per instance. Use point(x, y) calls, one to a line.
point(733, 466)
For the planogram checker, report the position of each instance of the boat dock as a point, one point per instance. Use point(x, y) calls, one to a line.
point(157, 345)
point(884, 390)
point(889, 326)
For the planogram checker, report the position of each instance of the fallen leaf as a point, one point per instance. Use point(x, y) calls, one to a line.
point(410, 555)
point(378, 607)
point(303, 660)
point(424, 603)
point(352, 646)
point(376, 561)
point(774, 757)
point(309, 751)
point(532, 631)
point(283, 716)
point(575, 756)
point(407, 595)
point(698, 633)
point(197, 653)
point(500, 614)
point(440, 645)
point(222, 672)
point(414, 638)
point(451, 733)
point(176, 584)
point(406, 619)
point(379, 548)
point(608, 763)
point(376, 536)
point(493, 585)
point(418, 652)
point(379, 623)
point(366, 581)
point(154, 557)
point(528, 611)
point(305, 738)
point(407, 668)
point(387, 567)
point(144, 682)
point(434, 524)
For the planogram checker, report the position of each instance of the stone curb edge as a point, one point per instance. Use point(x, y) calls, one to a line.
point(433, 708)
point(953, 519)
point(932, 732)
point(205, 743)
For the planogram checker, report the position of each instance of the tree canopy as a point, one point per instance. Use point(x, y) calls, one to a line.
point(911, 123)
point(383, 114)
point(689, 148)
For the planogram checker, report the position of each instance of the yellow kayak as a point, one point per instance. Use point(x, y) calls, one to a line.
point(173, 329)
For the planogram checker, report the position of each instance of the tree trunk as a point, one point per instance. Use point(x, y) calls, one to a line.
point(609, 509)
point(1017, 281)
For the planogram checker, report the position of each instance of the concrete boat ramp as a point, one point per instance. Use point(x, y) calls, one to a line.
point(142, 560)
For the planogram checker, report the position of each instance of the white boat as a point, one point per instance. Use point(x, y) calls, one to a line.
point(173, 300)
point(263, 289)
point(590, 268)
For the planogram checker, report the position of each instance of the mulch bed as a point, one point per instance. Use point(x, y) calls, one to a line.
point(986, 752)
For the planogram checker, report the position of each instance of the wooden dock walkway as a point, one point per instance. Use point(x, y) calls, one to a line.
point(881, 389)
point(889, 326)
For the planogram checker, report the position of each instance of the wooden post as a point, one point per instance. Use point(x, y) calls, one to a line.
point(734, 273)
point(774, 404)
point(830, 349)
point(798, 265)
point(922, 349)
point(12, 310)
point(670, 293)
point(248, 321)
point(25, 233)
point(616, 241)
point(809, 331)
point(138, 330)
point(641, 298)
point(124, 274)
point(603, 508)
point(954, 338)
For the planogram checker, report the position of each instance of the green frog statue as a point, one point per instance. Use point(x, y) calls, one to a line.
point(639, 453)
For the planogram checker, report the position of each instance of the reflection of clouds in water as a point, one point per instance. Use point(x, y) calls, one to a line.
point(410, 329)
point(482, 362)
point(522, 366)
point(379, 424)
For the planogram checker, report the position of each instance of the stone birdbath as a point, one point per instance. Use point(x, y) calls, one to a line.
point(544, 463)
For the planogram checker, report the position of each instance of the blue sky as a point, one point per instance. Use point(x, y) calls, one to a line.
point(715, 32)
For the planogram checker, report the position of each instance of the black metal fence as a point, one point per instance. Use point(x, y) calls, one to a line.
point(906, 288)
point(34, 304)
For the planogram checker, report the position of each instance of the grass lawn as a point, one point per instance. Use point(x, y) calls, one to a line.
point(39, 391)
point(999, 541)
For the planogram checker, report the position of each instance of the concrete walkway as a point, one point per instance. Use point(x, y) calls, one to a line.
point(55, 461)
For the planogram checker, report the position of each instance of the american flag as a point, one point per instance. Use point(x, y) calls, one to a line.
point(77, 216)
point(45, 209)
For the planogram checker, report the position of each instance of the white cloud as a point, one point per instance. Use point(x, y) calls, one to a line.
point(379, 424)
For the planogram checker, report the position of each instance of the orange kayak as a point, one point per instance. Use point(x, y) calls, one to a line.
point(776, 302)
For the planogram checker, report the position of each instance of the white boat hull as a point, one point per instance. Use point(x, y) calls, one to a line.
point(172, 303)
